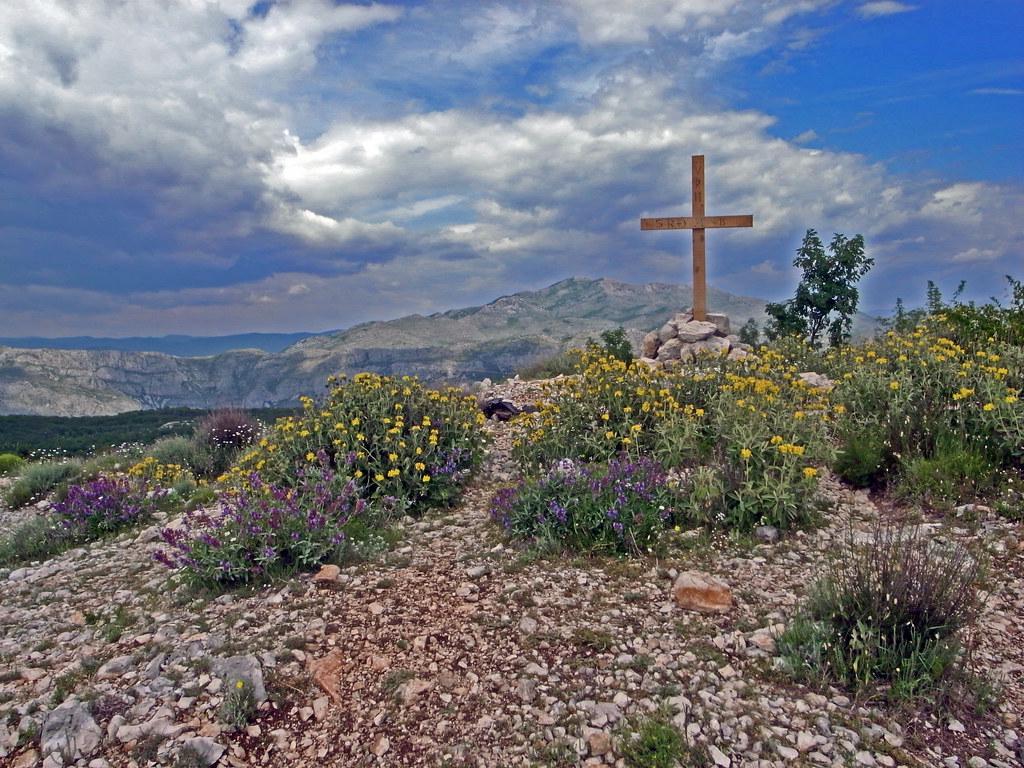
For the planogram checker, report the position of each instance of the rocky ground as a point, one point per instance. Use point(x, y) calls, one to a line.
point(456, 649)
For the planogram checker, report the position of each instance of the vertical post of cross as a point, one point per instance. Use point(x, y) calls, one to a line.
point(698, 222)
point(700, 298)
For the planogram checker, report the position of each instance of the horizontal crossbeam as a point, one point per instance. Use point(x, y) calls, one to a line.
point(697, 222)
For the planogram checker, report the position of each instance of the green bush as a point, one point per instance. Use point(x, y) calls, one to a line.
point(653, 742)
point(615, 344)
point(178, 450)
point(862, 457)
point(920, 413)
point(37, 480)
point(9, 463)
point(264, 531)
point(239, 706)
point(889, 614)
point(36, 539)
point(954, 474)
point(562, 364)
point(622, 507)
point(396, 438)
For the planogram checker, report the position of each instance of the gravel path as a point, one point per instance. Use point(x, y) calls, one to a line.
point(455, 649)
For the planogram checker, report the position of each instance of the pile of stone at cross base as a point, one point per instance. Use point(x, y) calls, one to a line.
point(682, 338)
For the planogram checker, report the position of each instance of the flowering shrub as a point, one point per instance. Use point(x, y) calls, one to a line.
point(756, 430)
point(263, 529)
point(621, 507)
point(394, 437)
point(891, 610)
point(228, 428)
point(919, 404)
point(155, 473)
point(103, 506)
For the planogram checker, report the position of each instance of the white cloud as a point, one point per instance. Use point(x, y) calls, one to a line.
point(286, 38)
point(202, 109)
point(972, 255)
point(998, 92)
point(731, 25)
point(873, 10)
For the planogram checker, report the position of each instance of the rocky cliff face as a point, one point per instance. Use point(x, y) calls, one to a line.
point(457, 346)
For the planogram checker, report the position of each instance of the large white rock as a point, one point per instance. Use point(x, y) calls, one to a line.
point(70, 732)
point(720, 321)
point(670, 350)
point(712, 345)
point(696, 330)
point(668, 331)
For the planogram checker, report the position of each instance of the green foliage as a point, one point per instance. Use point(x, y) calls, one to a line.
point(750, 333)
point(972, 324)
point(653, 742)
point(562, 364)
point(239, 706)
point(84, 435)
point(918, 406)
point(826, 298)
point(891, 612)
point(750, 432)
point(263, 531)
point(954, 473)
point(862, 458)
point(9, 463)
point(37, 480)
point(179, 449)
point(616, 344)
point(622, 507)
point(36, 539)
point(395, 437)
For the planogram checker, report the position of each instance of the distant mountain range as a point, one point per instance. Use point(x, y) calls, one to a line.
point(458, 346)
point(178, 345)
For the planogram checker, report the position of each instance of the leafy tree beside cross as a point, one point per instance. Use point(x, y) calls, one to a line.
point(826, 299)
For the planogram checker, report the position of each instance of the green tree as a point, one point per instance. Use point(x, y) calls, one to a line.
point(750, 333)
point(826, 298)
point(616, 344)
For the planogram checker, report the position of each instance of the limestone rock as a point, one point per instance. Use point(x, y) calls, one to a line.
point(670, 350)
point(652, 363)
point(244, 668)
point(713, 345)
point(600, 743)
point(381, 745)
point(70, 732)
point(816, 380)
point(649, 346)
point(683, 318)
point(668, 331)
point(721, 322)
point(413, 689)
point(696, 591)
point(696, 330)
point(207, 750)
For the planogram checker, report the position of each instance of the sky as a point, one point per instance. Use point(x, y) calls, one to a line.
point(211, 167)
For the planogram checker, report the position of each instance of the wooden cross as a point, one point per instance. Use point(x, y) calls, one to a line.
point(698, 222)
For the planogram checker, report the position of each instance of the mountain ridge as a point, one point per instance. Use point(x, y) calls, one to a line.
point(457, 345)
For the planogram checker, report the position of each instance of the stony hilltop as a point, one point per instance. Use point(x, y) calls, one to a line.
point(461, 345)
point(457, 649)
